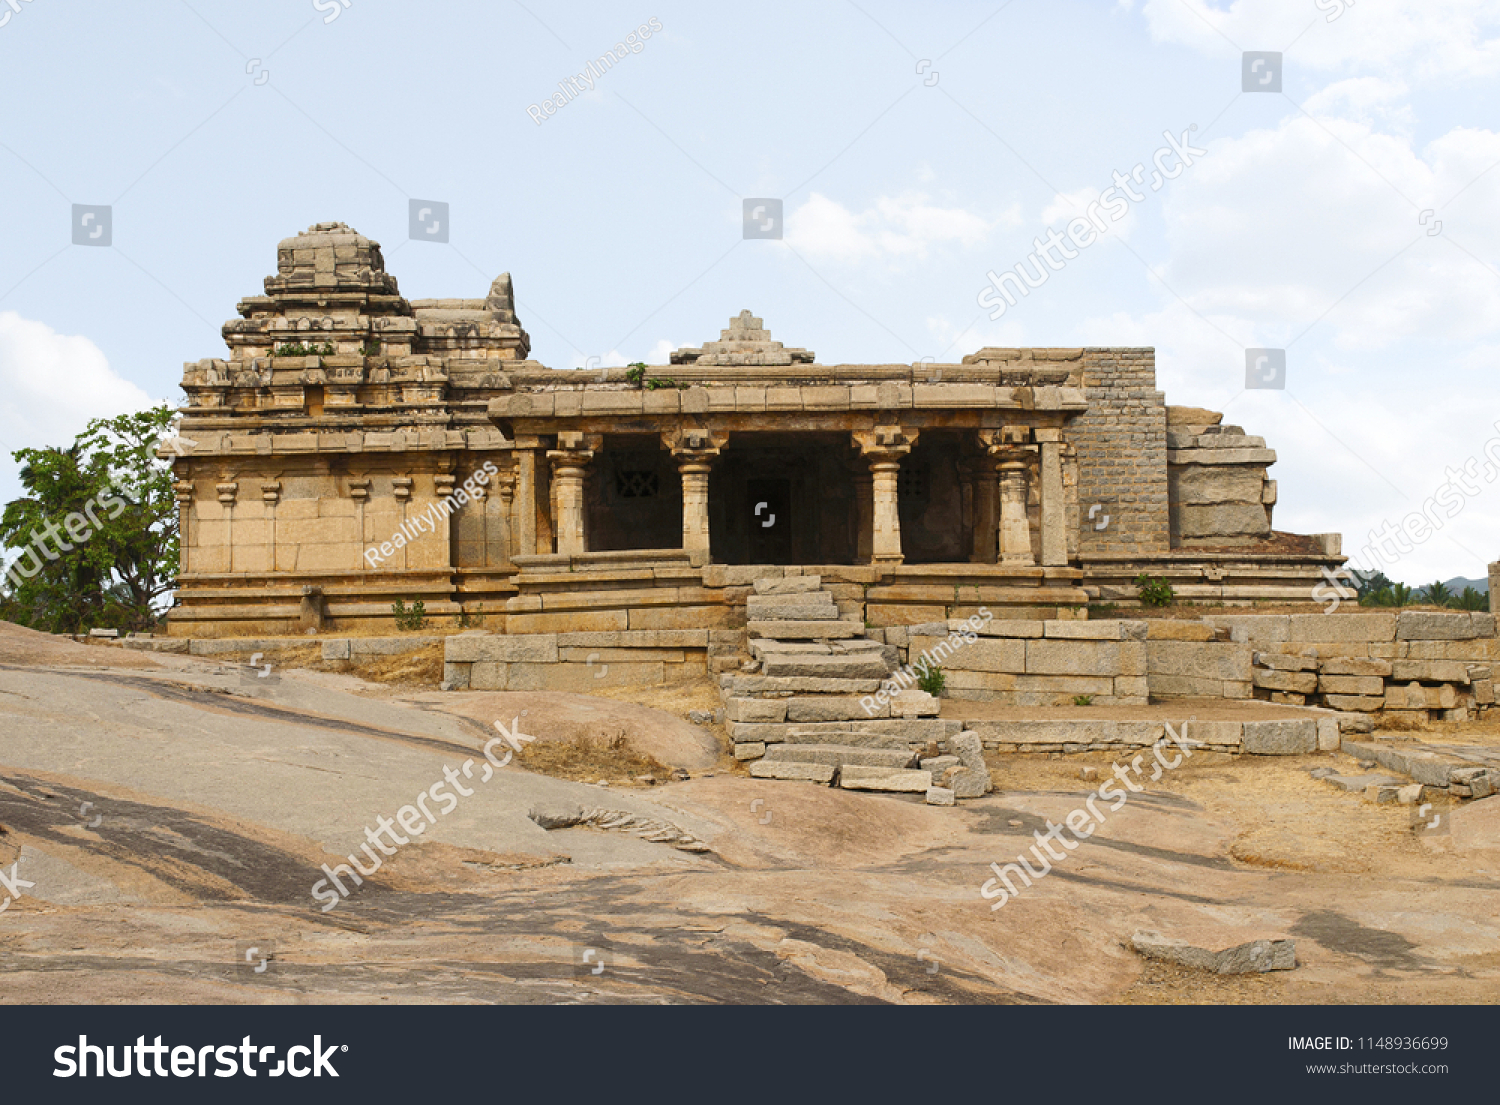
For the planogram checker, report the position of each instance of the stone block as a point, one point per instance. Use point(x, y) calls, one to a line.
point(1006, 627)
point(1285, 661)
point(1433, 625)
point(1362, 703)
point(968, 782)
point(1102, 658)
point(1354, 665)
point(536, 648)
point(1297, 682)
point(1132, 686)
point(789, 585)
point(1223, 520)
point(1199, 659)
point(339, 650)
point(1328, 734)
point(994, 655)
point(1268, 628)
point(939, 796)
point(780, 608)
point(1351, 684)
point(489, 677)
point(582, 678)
point(755, 709)
point(1171, 629)
point(828, 708)
point(1280, 738)
point(1288, 698)
point(856, 777)
point(889, 759)
point(1484, 692)
point(1414, 696)
point(456, 676)
point(749, 750)
point(914, 703)
point(852, 666)
point(1106, 630)
point(1430, 671)
point(1331, 628)
point(805, 630)
point(775, 769)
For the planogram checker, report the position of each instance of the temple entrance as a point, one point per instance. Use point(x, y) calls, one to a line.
point(784, 499)
point(771, 521)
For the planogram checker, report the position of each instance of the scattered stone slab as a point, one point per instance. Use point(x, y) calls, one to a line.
point(1359, 783)
point(1254, 957)
point(786, 769)
point(939, 796)
point(857, 777)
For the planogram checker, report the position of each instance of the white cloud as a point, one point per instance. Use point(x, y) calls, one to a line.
point(895, 228)
point(1435, 40)
point(52, 384)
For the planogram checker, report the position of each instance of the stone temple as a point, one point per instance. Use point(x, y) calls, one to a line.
point(355, 448)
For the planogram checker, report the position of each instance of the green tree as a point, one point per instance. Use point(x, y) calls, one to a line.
point(1437, 594)
point(1471, 599)
point(96, 530)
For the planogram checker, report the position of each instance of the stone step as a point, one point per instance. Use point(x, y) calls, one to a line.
point(1433, 766)
point(807, 629)
point(855, 666)
point(791, 585)
point(815, 606)
point(855, 777)
point(761, 648)
point(838, 755)
point(896, 731)
point(733, 683)
point(791, 769)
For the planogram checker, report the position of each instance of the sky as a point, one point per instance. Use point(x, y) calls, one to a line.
point(1351, 219)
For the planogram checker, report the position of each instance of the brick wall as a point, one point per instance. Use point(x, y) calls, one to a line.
point(1122, 453)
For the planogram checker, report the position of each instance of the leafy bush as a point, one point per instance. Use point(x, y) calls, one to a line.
point(1083, 700)
point(414, 618)
point(1154, 590)
point(297, 349)
point(932, 680)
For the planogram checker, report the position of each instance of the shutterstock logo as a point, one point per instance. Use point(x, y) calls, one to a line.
point(187, 1062)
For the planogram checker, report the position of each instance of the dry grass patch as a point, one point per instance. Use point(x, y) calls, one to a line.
point(422, 669)
point(586, 757)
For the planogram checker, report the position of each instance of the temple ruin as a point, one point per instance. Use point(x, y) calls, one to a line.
point(355, 448)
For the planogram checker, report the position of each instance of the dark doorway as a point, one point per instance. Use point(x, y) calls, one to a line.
point(770, 524)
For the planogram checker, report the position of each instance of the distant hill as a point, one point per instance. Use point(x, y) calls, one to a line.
point(1458, 583)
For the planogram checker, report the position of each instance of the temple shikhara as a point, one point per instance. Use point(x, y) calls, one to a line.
point(355, 448)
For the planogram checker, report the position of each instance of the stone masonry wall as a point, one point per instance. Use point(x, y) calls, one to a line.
point(1122, 453)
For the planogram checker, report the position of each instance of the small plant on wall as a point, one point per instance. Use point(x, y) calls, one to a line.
point(297, 349)
point(414, 617)
point(1153, 590)
point(932, 680)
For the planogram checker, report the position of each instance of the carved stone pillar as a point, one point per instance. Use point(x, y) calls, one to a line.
point(1013, 461)
point(505, 490)
point(885, 448)
point(523, 521)
point(864, 513)
point(183, 491)
point(1053, 498)
point(695, 451)
point(570, 461)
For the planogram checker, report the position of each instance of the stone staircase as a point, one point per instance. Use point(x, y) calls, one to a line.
point(807, 708)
